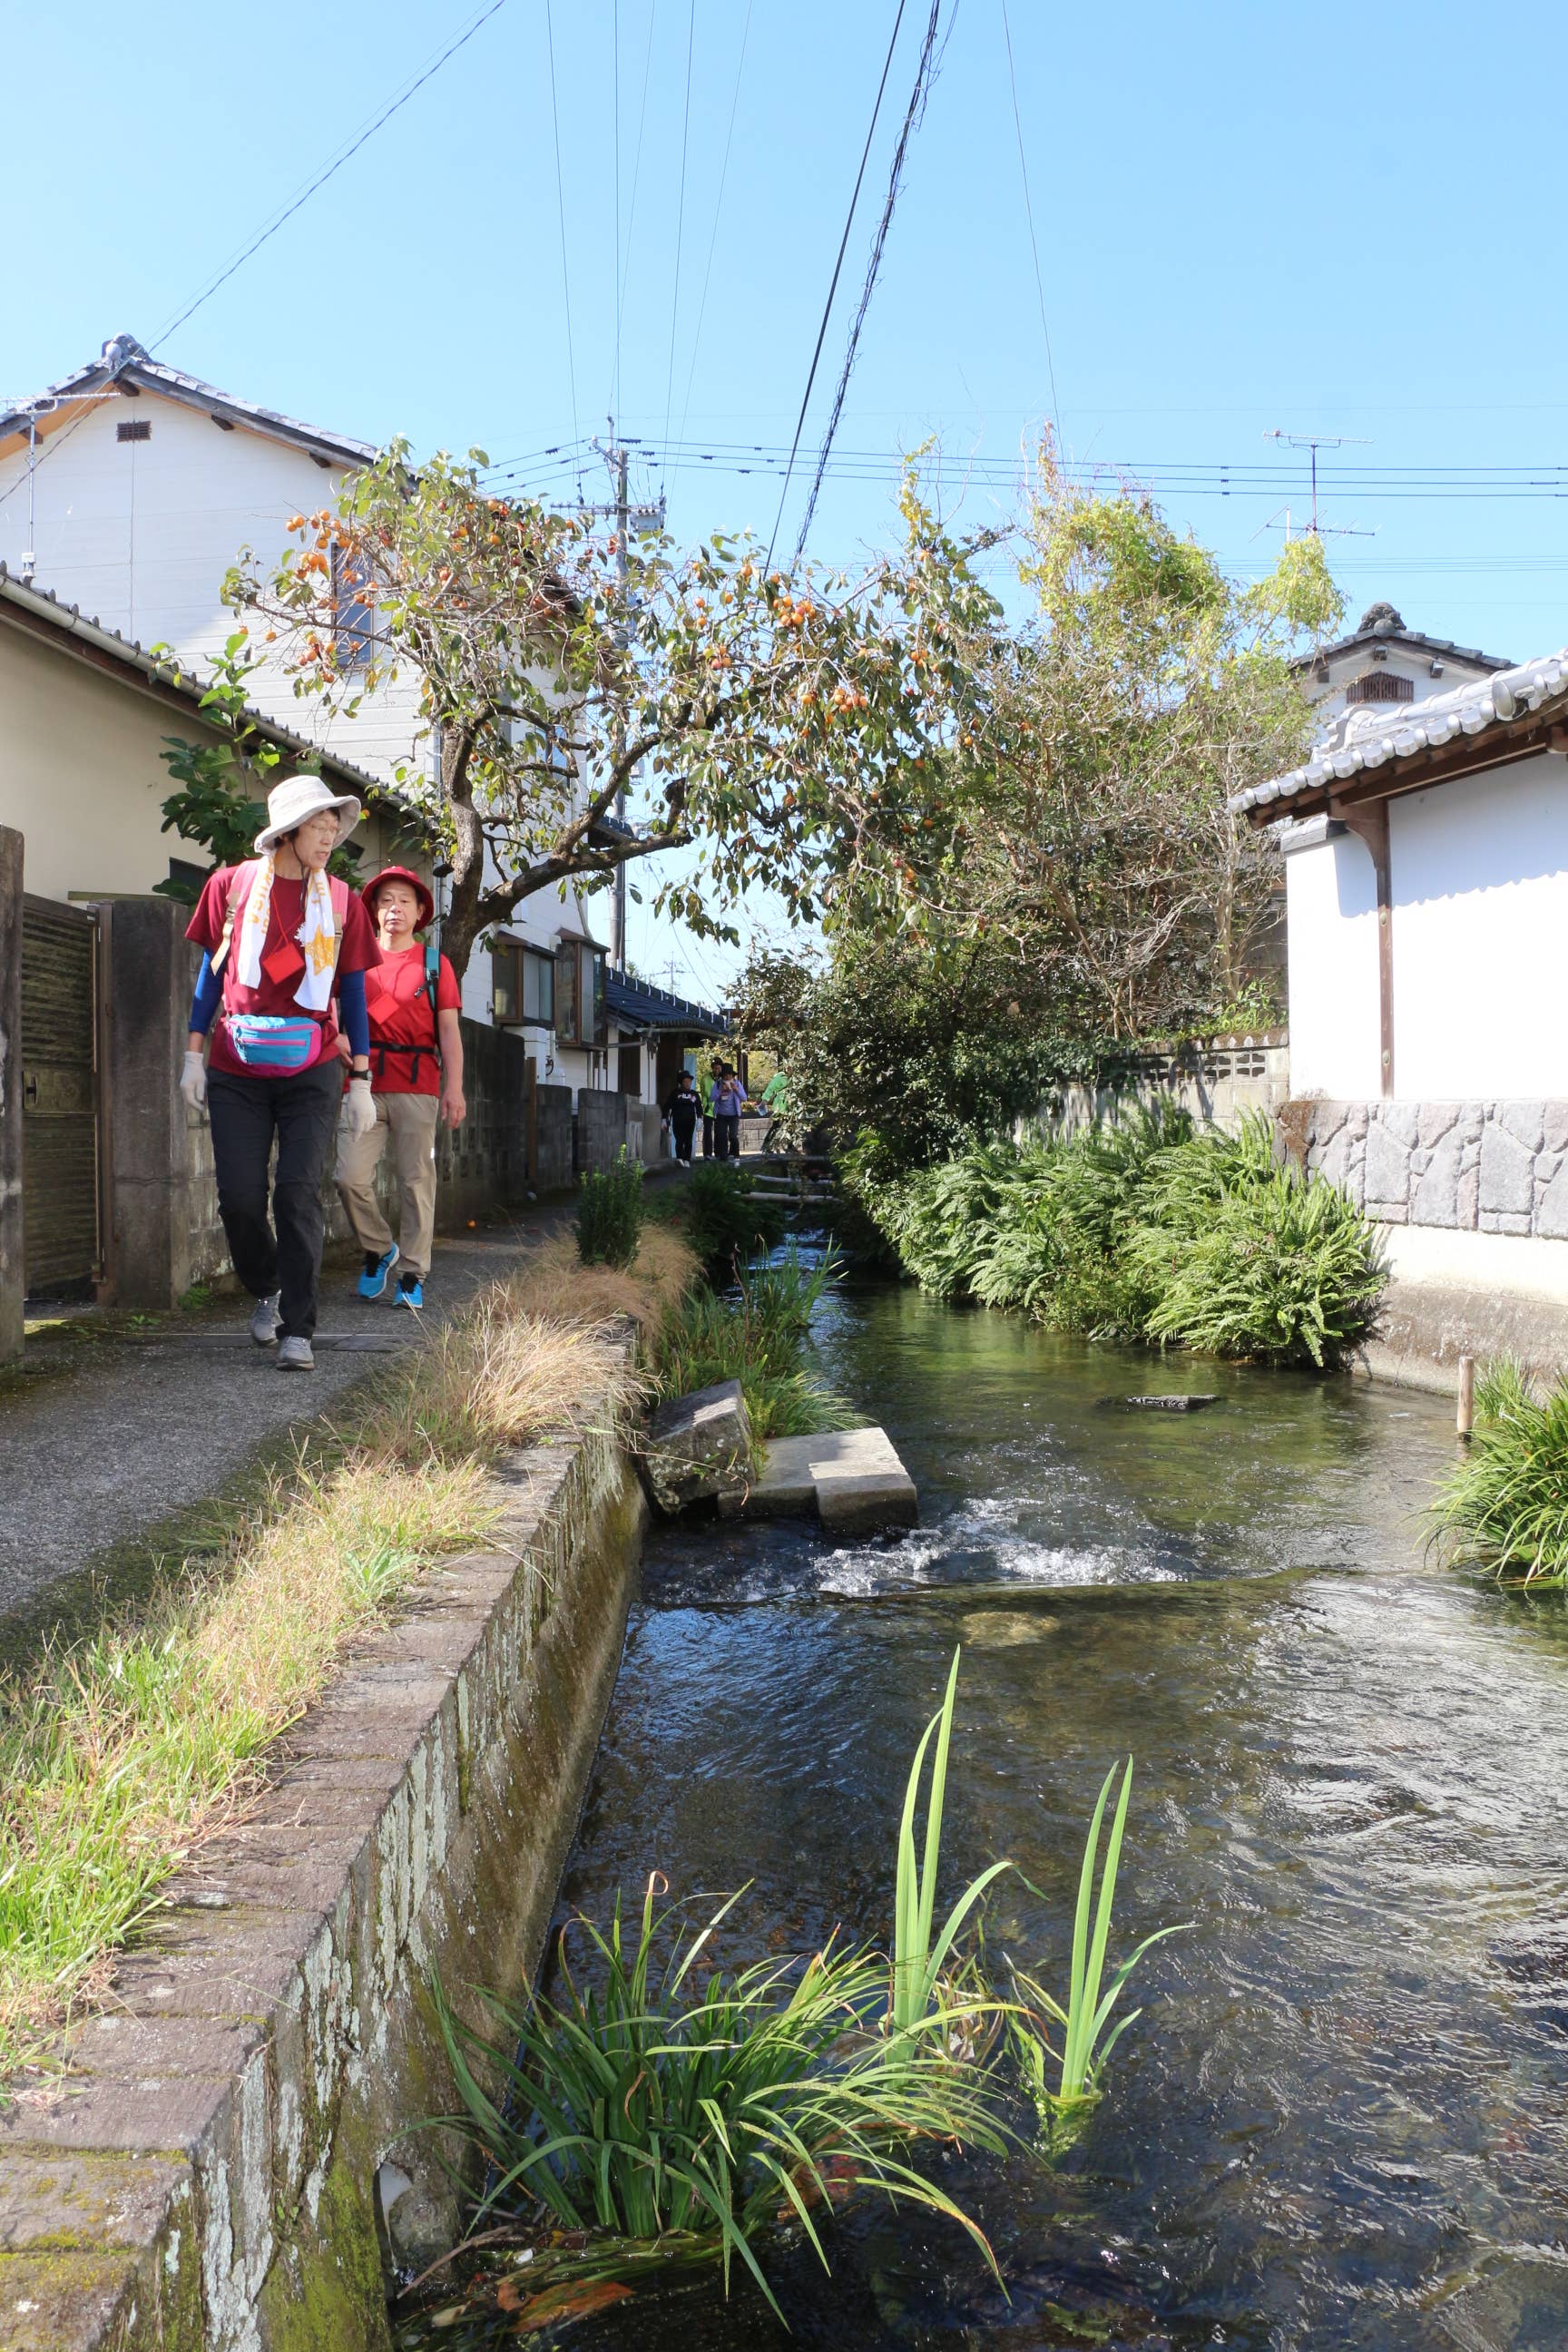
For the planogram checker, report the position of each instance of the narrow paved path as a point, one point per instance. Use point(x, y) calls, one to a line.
point(124, 1424)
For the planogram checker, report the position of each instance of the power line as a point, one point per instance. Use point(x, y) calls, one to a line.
point(625, 263)
point(319, 182)
point(718, 209)
point(913, 114)
point(679, 217)
point(560, 216)
point(1029, 213)
point(833, 288)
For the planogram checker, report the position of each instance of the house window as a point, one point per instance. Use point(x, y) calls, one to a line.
point(135, 428)
point(1380, 685)
point(353, 614)
point(579, 1018)
point(523, 985)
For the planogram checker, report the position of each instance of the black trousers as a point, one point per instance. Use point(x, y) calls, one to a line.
point(246, 1113)
point(707, 1135)
point(727, 1135)
point(683, 1130)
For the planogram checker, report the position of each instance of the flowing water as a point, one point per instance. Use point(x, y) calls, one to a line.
point(1341, 2120)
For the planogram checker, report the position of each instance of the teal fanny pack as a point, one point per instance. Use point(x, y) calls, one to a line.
point(272, 1045)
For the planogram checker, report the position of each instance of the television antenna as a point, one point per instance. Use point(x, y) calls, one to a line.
point(1313, 442)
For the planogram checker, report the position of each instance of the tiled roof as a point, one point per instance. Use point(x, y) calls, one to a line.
point(125, 361)
point(1372, 739)
point(1380, 625)
point(640, 1004)
point(111, 649)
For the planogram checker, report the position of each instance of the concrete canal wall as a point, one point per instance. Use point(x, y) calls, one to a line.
point(206, 2173)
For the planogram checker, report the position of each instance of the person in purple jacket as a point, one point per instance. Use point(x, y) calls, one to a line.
point(729, 1102)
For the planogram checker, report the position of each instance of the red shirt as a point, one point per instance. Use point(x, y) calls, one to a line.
point(357, 951)
point(398, 1003)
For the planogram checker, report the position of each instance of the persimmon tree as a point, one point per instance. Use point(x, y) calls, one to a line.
point(801, 732)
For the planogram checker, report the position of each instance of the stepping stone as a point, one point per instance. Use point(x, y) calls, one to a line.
point(852, 1478)
point(698, 1446)
point(1186, 1403)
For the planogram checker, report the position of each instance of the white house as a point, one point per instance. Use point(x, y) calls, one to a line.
point(1384, 662)
point(1426, 863)
point(127, 490)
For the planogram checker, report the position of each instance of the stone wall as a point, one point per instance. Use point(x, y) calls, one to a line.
point(1217, 1079)
point(237, 2134)
point(1470, 1167)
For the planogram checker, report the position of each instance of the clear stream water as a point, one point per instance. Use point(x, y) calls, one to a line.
point(1340, 2121)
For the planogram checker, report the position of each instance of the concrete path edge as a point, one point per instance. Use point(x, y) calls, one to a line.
point(208, 2176)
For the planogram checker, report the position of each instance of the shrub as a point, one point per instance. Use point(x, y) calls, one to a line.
point(1505, 1506)
point(726, 1221)
point(610, 1212)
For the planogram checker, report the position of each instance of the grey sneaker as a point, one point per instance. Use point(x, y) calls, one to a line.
point(264, 1323)
point(296, 1356)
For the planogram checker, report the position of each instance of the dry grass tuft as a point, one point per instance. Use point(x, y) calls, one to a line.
point(123, 1751)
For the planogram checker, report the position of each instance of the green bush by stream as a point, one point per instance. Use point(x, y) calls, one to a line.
point(1146, 1231)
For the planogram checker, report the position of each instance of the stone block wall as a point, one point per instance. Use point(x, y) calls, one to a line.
point(1468, 1166)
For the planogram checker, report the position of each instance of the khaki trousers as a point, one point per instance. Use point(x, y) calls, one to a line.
point(410, 1121)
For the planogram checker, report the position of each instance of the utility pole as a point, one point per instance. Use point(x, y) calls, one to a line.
point(617, 457)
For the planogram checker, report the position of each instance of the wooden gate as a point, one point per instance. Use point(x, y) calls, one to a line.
point(61, 1238)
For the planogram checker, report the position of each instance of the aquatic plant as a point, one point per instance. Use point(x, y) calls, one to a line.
point(610, 1212)
point(758, 1336)
point(1283, 1269)
point(1145, 1230)
point(1085, 2044)
point(660, 2121)
point(1506, 1503)
point(919, 1961)
point(727, 1220)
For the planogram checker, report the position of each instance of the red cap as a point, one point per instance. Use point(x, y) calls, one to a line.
point(400, 874)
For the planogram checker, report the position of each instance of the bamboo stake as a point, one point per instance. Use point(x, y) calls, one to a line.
point(1467, 1412)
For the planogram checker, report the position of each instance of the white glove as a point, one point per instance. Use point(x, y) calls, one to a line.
point(359, 1107)
point(194, 1082)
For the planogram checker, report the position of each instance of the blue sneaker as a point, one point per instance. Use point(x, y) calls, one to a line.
point(410, 1291)
point(372, 1281)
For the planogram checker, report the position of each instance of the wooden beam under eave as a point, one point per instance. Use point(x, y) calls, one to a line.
point(1369, 823)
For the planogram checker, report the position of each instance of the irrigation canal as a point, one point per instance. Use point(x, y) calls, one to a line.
point(1341, 2120)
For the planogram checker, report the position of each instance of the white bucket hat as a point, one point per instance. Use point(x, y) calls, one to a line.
point(297, 798)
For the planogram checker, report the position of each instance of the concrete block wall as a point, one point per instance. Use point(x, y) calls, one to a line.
point(13, 1278)
point(1217, 1079)
point(601, 1127)
point(1466, 1167)
point(552, 1140)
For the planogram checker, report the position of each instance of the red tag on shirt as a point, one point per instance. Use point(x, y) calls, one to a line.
point(284, 964)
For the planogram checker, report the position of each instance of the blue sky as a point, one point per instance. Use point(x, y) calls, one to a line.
point(1328, 221)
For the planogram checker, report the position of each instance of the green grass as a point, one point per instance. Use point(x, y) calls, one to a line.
point(122, 1749)
point(726, 1221)
point(1505, 1506)
point(758, 1337)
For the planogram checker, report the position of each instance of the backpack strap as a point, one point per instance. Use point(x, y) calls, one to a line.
point(238, 892)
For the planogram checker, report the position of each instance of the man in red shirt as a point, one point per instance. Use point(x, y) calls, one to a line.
point(416, 1075)
point(280, 939)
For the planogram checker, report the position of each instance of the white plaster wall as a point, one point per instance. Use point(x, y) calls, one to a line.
point(81, 778)
point(1479, 877)
point(1335, 1031)
point(140, 533)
